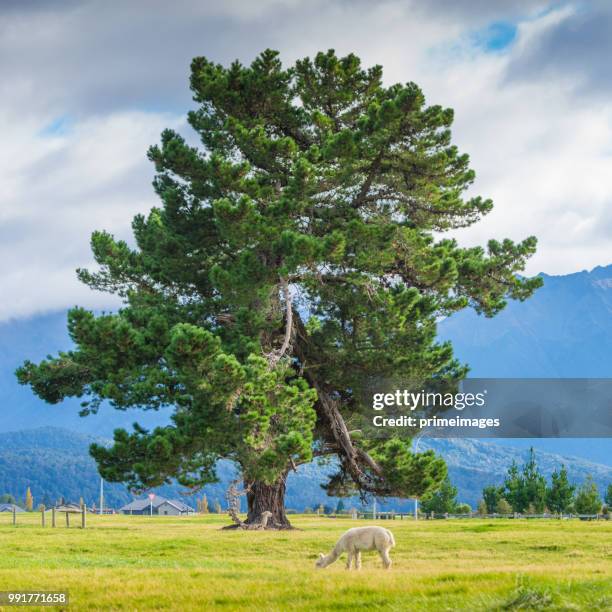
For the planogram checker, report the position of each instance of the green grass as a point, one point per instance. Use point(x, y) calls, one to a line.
point(139, 563)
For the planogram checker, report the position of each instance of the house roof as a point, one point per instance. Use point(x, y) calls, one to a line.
point(180, 505)
point(9, 508)
point(68, 507)
point(138, 505)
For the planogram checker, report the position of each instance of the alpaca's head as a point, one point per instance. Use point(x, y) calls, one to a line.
point(266, 514)
point(321, 561)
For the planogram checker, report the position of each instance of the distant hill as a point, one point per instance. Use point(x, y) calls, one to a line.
point(35, 338)
point(563, 331)
point(474, 464)
point(55, 462)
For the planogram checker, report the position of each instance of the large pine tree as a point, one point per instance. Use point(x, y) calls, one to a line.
point(295, 253)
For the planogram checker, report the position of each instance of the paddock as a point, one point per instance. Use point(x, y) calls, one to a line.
point(137, 562)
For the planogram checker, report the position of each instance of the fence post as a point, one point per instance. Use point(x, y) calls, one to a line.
point(67, 519)
point(42, 514)
point(83, 517)
point(14, 515)
point(53, 516)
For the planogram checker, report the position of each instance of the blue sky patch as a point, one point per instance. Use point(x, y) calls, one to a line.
point(57, 127)
point(496, 36)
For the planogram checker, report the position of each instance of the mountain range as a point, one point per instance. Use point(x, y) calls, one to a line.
point(564, 330)
point(55, 463)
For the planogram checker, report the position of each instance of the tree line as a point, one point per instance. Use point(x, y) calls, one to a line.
point(525, 490)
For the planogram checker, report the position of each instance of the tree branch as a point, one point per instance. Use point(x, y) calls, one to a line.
point(275, 356)
point(353, 458)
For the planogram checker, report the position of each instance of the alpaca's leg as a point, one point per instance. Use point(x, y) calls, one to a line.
point(386, 559)
point(349, 558)
point(358, 560)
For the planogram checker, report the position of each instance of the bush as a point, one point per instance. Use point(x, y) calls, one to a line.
point(503, 507)
point(587, 498)
point(441, 501)
point(463, 509)
point(491, 496)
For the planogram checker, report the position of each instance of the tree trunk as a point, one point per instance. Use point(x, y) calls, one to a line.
point(263, 497)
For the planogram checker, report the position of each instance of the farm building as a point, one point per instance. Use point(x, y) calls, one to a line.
point(68, 507)
point(158, 505)
point(9, 508)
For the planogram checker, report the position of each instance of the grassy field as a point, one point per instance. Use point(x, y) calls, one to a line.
point(139, 563)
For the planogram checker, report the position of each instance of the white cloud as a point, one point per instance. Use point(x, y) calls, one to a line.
point(61, 188)
point(541, 151)
point(539, 144)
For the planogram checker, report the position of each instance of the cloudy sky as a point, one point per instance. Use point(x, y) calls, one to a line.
point(88, 86)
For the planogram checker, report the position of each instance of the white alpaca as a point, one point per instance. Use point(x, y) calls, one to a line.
point(357, 539)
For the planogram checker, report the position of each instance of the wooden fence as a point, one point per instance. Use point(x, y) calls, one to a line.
point(391, 515)
point(82, 513)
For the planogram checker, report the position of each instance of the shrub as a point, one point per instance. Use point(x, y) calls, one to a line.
point(441, 501)
point(587, 499)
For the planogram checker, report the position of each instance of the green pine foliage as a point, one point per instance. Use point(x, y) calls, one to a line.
point(503, 507)
point(513, 489)
point(560, 494)
point(525, 488)
point(534, 484)
point(492, 497)
point(442, 501)
point(587, 500)
point(298, 251)
point(608, 496)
